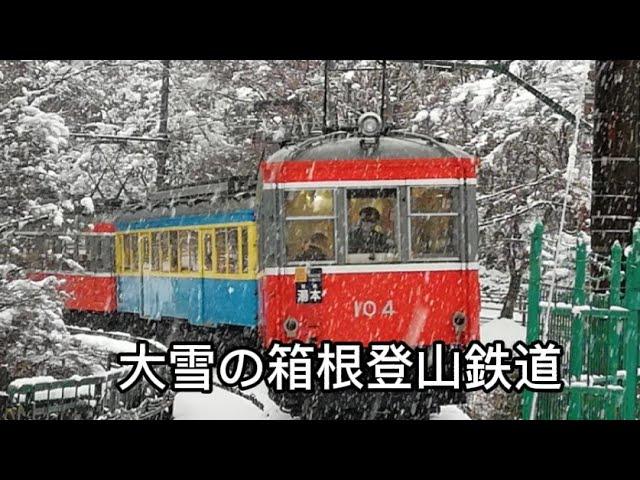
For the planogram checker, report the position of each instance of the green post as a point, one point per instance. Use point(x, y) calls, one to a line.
point(581, 273)
point(576, 354)
point(615, 300)
point(613, 335)
point(615, 279)
point(533, 305)
point(533, 299)
point(574, 411)
point(632, 302)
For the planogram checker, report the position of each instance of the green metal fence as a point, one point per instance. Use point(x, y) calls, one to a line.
point(598, 331)
point(93, 397)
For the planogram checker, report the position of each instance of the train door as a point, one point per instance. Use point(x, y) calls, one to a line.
point(145, 268)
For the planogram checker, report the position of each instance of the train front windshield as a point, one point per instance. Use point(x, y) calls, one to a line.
point(372, 220)
point(373, 225)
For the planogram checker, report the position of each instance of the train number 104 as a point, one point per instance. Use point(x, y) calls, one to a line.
point(369, 308)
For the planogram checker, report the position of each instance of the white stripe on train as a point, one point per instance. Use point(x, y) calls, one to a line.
point(379, 268)
point(371, 183)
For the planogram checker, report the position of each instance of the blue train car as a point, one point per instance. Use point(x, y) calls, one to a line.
point(193, 264)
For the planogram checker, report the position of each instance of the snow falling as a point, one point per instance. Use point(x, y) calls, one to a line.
point(85, 142)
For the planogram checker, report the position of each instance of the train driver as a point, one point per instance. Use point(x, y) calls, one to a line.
point(368, 236)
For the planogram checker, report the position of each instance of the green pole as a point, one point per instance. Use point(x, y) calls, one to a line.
point(615, 300)
point(533, 299)
point(533, 304)
point(581, 273)
point(632, 302)
point(576, 354)
point(613, 336)
point(615, 279)
point(574, 411)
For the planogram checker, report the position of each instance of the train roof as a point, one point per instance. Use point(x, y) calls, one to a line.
point(213, 206)
point(393, 145)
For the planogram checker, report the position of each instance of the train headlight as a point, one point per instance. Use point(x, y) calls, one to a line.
point(459, 322)
point(291, 327)
point(370, 124)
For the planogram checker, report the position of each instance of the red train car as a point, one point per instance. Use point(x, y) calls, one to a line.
point(85, 263)
point(369, 242)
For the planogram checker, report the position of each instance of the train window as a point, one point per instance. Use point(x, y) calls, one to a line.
point(245, 249)
point(188, 247)
point(173, 246)
point(106, 254)
point(155, 252)
point(126, 253)
point(433, 222)
point(146, 251)
point(54, 254)
point(70, 247)
point(208, 252)
point(232, 244)
point(193, 251)
point(86, 257)
point(118, 253)
point(309, 225)
point(183, 249)
point(372, 218)
point(221, 250)
point(435, 199)
point(164, 252)
point(309, 203)
point(134, 252)
point(93, 252)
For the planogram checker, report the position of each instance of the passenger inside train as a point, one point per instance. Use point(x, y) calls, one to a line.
point(314, 249)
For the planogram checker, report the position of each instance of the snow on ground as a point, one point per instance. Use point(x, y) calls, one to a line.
point(224, 405)
point(505, 329)
point(450, 412)
point(106, 343)
point(491, 311)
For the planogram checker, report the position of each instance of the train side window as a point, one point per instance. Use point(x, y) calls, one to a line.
point(208, 252)
point(164, 249)
point(188, 246)
point(118, 253)
point(126, 253)
point(134, 252)
point(86, 253)
point(433, 222)
point(193, 251)
point(232, 244)
point(173, 246)
point(372, 219)
point(146, 251)
point(69, 253)
point(155, 252)
point(221, 250)
point(245, 249)
point(93, 252)
point(83, 254)
point(309, 225)
point(183, 249)
point(106, 255)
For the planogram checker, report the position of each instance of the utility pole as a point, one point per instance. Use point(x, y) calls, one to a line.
point(616, 169)
point(163, 147)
